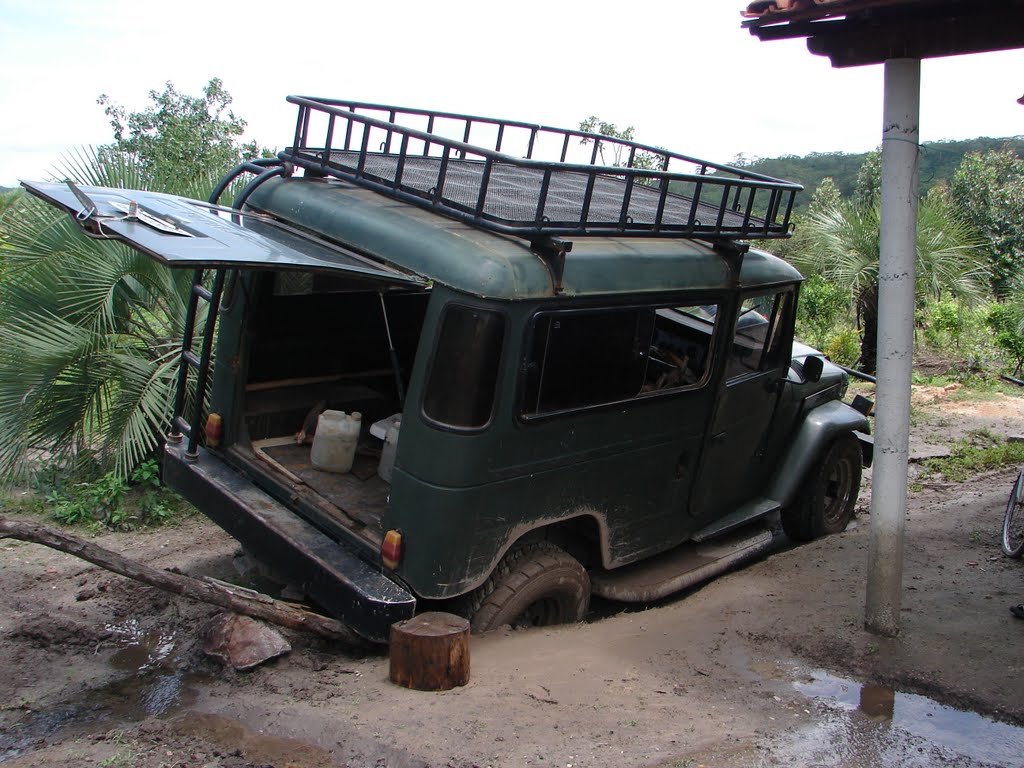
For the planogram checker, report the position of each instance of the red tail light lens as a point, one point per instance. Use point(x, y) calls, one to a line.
point(214, 430)
point(391, 549)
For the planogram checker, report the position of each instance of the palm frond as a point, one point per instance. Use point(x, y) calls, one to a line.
point(91, 332)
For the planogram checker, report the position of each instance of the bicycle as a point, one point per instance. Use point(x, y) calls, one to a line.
point(1013, 523)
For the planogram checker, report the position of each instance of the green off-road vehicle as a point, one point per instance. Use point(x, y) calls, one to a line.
point(574, 377)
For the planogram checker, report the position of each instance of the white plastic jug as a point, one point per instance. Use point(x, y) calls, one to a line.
point(387, 454)
point(334, 445)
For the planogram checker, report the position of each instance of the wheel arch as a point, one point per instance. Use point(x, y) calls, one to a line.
point(815, 433)
point(583, 535)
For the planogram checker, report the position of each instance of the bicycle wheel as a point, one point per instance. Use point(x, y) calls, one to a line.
point(1013, 523)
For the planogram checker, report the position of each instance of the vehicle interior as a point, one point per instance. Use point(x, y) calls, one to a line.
point(314, 343)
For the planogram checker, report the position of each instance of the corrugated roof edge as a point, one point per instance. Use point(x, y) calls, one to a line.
point(773, 11)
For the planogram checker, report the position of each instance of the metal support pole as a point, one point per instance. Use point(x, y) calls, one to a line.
point(895, 343)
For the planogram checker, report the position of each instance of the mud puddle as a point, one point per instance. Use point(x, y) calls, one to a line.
point(860, 724)
point(258, 747)
point(156, 684)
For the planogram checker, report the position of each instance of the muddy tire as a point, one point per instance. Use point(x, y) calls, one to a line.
point(534, 585)
point(824, 503)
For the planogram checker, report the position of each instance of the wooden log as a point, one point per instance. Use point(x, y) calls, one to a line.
point(430, 652)
point(229, 596)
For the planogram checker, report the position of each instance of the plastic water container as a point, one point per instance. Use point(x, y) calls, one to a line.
point(387, 454)
point(334, 444)
point(380, 428)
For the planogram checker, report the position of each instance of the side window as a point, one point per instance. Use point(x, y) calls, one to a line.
point(782, 331)
point(577, 359)
point(464, 372)
point(760, 334)
point(680, 351)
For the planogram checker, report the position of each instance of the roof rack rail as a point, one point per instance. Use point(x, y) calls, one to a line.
point(619, 188)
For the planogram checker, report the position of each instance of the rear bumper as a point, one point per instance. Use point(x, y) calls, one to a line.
point(328, 571)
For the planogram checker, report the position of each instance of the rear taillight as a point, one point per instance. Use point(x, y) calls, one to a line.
point(214, 430)
point(391, 549)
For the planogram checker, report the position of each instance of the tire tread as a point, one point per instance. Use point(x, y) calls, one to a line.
point(520, 565)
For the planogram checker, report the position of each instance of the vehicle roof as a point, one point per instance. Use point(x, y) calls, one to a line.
point(483, 263)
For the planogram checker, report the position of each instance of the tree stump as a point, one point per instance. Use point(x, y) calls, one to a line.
point(430, 652)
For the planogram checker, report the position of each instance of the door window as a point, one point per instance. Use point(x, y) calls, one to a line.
point(759, 339)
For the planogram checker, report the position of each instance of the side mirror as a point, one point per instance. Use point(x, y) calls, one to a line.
point(813, 366)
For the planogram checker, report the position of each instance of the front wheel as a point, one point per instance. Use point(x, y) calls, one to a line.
point(1013, 523)
point(534, 585)
point(825, 501)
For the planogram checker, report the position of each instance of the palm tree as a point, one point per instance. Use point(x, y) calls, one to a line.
point(843, 244)
point(91, 333)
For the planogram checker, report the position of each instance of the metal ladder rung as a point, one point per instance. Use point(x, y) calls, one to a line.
point(200, 364)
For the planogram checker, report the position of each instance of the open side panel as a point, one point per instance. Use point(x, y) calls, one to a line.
point(187, 233)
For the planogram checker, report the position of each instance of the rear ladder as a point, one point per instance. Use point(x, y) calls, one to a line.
point(199, 364)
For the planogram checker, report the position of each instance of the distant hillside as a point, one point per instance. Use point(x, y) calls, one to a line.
point(939, 159)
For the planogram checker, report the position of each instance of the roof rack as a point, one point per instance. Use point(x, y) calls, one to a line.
point(525, 180)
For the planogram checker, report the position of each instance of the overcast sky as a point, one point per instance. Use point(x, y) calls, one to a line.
point(684, 73)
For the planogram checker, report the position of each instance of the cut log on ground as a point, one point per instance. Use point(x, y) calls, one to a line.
point(430, 652)
point(229, 596)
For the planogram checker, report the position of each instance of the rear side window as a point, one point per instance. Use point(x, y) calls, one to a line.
point(464, 374)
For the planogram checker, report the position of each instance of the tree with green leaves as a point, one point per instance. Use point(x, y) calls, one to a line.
point(868, 190)
point(92, 329)
point(187, 137)
point(843, 246)
point(648, 161)
point(989, 191)
point(1006, 321)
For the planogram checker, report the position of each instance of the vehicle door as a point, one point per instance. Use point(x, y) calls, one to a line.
point(614, 406)
point(734, 466)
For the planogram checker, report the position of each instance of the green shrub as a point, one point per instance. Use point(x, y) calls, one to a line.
point(843, 347)
point(1006, 321)
point(944, 320)
point(821, 307)
point(110, 502)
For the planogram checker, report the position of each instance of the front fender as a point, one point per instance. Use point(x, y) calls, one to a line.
point(819, 428)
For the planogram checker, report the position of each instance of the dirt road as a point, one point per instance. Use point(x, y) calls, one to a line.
point(97, 670)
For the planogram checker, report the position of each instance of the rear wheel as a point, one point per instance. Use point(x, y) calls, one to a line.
point(825, 501)
point(1013, 523)
point(534, 585)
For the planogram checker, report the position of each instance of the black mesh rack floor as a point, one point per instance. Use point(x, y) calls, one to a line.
point(529, 197)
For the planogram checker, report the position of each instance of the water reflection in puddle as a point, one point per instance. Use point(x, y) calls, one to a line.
point(870, 725)
point(139, 651)
point(156, 685)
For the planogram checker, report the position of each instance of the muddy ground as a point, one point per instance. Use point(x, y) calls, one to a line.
point(98, 670)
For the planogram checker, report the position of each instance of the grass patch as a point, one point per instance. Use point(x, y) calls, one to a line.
point(986, 392)
point(979, 452)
